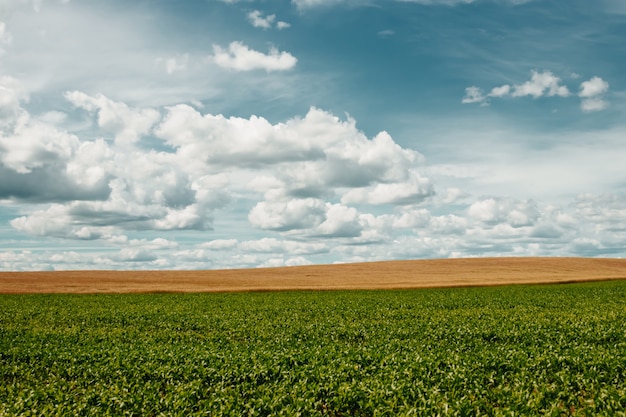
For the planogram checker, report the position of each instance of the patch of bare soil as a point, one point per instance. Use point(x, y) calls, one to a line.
point(370, 275)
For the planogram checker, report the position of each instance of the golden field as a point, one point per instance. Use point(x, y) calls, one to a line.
point(369, 275)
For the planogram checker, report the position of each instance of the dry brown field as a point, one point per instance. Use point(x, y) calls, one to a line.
point(370, 275)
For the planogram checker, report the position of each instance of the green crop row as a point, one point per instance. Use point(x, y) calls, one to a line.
point(520, 350)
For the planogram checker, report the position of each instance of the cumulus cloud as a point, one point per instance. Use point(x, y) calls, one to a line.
point(501, 91)
point(308, 170)
point(12, 95)
point(102, 187)
point(593, 104)
point(414, 190)
point(340, 221)
point(258, 20)
point(220, 244)
point(239, 57)
point(592, 92)
point(541, 84)
point(313, 157)
point(313, 187)
point(544, 84)
point(495, 211)
point(36, 158)
point(287, 215)
point(593, 87)
point(126, 123)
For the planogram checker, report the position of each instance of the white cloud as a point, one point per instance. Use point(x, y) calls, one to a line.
point(135, 255)
point(448, 225)
point(540, 84)
point(220, 244)
point(12, 95)
point(127, 124)
point(341, 221)
point(126, 188)
point(593, 104)
point(280, 25)
point(544, 84)
point(416, 189)
point(315, 156)
point(591, 92)
point(494, 211)
point(473, 94)
point(241, 58)
point(278, 262)
point(288, 215)
point(593, 87)
point(501, 91)
point(310, 180)
point(257, 19)
point(35, 145)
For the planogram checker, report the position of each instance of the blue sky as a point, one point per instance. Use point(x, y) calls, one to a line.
point(226, 134)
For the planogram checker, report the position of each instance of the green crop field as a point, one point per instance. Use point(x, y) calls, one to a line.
point(519, 350)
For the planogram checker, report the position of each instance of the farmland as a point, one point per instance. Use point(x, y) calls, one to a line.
point(368, 275)
point(502, 350)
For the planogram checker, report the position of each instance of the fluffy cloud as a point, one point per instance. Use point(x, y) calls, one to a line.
point(544, 84)
point(127, 124)
point(257, 20)
point(414, 190)
point(12, 95)
point(314, 157)
point(239, 57)
point(288, 215)
point(593, 104)
point(312, 188)
point(592, 92)
point(540, 84)
point(298, 176)
point(593, 87)
point(102, 187)
point(494, 211)
point(36, 158)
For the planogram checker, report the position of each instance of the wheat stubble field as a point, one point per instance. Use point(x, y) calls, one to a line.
point(371, 275)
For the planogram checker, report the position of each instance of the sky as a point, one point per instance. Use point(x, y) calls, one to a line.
point(217, 134)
